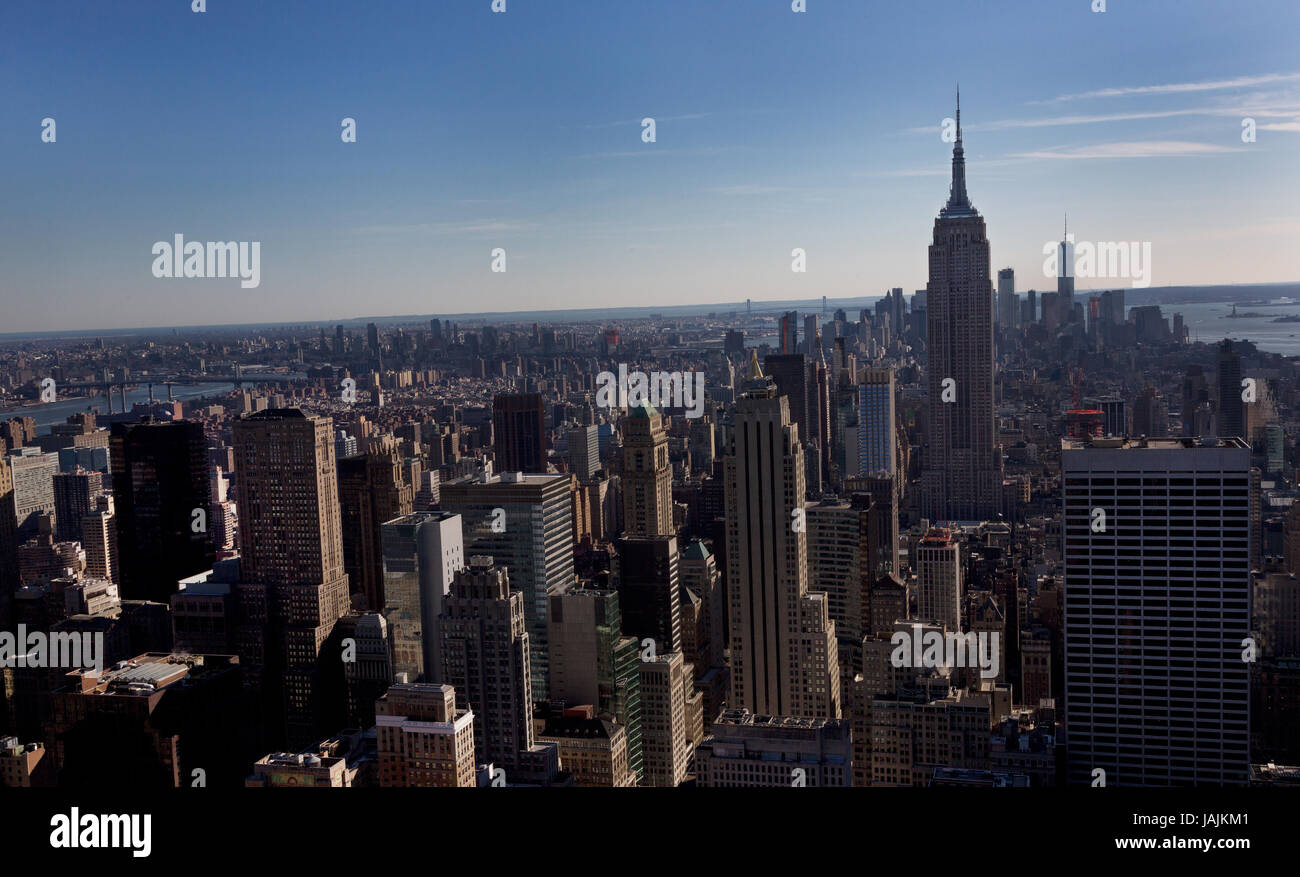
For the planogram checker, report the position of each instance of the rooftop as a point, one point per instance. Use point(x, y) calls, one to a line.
point(1166, 443)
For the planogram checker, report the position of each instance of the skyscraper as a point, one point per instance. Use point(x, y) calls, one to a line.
point(647, 474)
point(963, 478)
point(74, 493)
point(519, 432)
point(484, 643)
point(1150, 414)
point(938, 579)
point(99, 536)
point(1008, 313)
point(783, 652)
point(1065, 275)
point(525, 523)
point(32, 474)
point(293, 588)
point(873, 450)
point(648, 590)
point(372, 490)
point(594, 662)
point(1157, 538)
point(1232, 409)
point(664, 684)
point(160, 479)
point(789, 329)
point(790, 374)
point(422, 552)
point(584, 451)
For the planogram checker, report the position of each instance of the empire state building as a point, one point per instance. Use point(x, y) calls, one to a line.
point(963, 476)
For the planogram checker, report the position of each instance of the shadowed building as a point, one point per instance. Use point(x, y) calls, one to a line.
point(963, 478)
point(160, 479)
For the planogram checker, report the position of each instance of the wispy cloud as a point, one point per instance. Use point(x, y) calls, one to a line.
point(1131, 149)
point(657, 119)
point(481, 226)
point(751, 189)
point(1180, 87)
point(907, 172)
point(652, 150)
point(1283, 112)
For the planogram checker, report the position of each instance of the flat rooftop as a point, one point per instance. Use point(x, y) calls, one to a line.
point(744, 717)
point(140, 676)
point(1153, 443)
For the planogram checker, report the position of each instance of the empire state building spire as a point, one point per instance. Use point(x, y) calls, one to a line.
point(958, 203)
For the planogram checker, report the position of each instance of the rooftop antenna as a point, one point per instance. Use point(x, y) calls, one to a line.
point(959, 111)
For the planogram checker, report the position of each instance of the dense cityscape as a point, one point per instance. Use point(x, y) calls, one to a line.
point(967, 537)
point(721, 397)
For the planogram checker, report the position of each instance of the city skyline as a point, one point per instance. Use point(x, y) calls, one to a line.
point(539, 159)
point(822, 432)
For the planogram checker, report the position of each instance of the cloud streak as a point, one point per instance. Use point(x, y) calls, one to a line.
point(1179, 87)
point(1130, 149)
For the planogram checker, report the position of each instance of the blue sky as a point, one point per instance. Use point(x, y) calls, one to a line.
point(522, 130)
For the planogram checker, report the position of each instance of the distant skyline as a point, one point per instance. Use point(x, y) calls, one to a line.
point(775, 130)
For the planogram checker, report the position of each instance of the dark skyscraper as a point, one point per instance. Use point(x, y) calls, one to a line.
point(519, 427)
point(372, 491)
point(789, 340)
point(1232, 410)
point(1065, 276)
point(160, 478)
point(74, 497)
point(1157, 537)
point(790, 372)
point(293, 588)
point(1196, 392)
point(963, 478)
point(648, 590)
